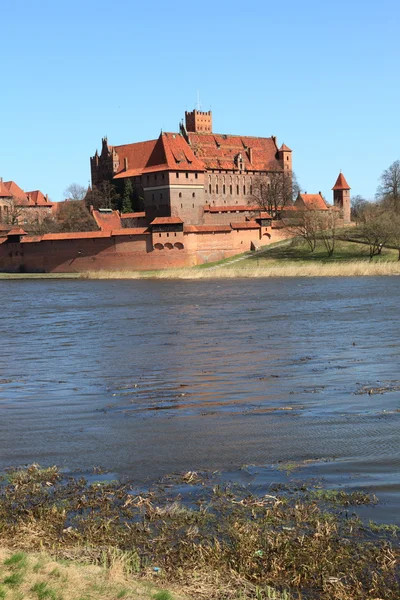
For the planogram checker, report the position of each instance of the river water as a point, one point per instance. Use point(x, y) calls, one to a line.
point(145, 378)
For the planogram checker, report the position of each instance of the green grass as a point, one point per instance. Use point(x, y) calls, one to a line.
point(299, 252)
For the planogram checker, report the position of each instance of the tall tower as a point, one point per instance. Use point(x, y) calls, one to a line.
point(198, 121)
point(341, 196)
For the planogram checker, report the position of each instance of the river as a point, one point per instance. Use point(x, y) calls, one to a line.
point(145, 378)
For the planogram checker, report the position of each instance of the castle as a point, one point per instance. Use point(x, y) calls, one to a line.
point(195, 194)
point(192, 174)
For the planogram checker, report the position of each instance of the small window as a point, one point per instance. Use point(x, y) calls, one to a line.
point(187, 175)
point(195, 175)
point(152, 196)
point(160, 196)
point(237, 190)
point(209, 188)
point(244, 190)
point(148, 178)
point(193, 205)
point(223, 189)
point(181, 205)
point(162, 175)
point(230, 190)
point(216, 189)
point(180, 194)
point(193, 195)
point(177, 175)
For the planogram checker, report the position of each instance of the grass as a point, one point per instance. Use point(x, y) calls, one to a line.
point(107, 541)
point(69, 580)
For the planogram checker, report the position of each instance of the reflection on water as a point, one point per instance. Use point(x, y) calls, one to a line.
point(149, 377)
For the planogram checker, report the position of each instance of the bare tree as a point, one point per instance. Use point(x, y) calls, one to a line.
point(103, 196)
point(274, 191)
point(75, 192)
point(358, 206)
point(74, 216)
point(327, 224)
point(394, 238)
point(305, 225)
point(389, 189)
point(12, 211)
point(375, 229)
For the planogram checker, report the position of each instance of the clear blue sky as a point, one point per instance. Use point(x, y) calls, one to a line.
point(321, 76)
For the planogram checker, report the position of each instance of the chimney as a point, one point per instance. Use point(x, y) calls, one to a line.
point(125, 164)
point(47, 198)
point(250, 154)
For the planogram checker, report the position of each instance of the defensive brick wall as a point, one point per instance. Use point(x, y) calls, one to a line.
point(144, 251)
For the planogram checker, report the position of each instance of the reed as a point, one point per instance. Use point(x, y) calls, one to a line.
point(359, 268)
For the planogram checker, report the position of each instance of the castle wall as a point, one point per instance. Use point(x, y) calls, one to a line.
point(143, 251)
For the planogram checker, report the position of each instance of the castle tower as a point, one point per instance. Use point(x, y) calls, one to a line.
point(341, 197)
point(198, 121)
point(285, 158)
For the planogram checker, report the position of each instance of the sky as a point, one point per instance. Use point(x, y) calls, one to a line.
point(321, 76)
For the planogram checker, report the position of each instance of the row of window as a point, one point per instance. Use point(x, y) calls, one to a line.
point(216, 190)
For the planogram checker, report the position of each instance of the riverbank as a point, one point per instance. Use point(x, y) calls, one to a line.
point(39, 576)
point(220, 543)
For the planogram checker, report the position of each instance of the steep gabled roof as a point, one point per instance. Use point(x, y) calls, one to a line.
point(4, 191)
point(16, 191)
point(36, 198)
point(170, 152)
point(341, 183)
point(220, 151)
point(284, 148)
point(312, 201)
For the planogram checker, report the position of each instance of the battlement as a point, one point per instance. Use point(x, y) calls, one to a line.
point(198, 121)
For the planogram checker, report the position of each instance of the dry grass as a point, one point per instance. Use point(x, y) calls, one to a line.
point(356, 268)
point(37, 576)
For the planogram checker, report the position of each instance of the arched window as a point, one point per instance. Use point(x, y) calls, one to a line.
point(193, 194)
point(158, 246)
point(216, 189)
point(224, 188)
point(168, 246)
point(179, 246)
point(180, 194)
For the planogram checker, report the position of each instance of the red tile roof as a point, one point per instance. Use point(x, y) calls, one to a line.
point(16, 191)
point(220, 151)
point(170, 152)
point(284, 148)
point(341, 183)
point(133, 215)
point(206, 228)
point(76, 235)
point(131, 231)
point(264, 215)
point(245, 225)
point(312, 201)
point(166, 221)
point(36, 198)
point(107, 221)
point(4, 191)
point(16, 231)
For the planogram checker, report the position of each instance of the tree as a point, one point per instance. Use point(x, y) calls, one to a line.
point(75, 192)
point(103, 196)
point(388, 191)
point(394, 237)
point(305, 225)
point(375, 230)
point(127, 196)
point(274, 192)
point(12, 211)
point(74, 216)
point(327, 222)
point(358, 206)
